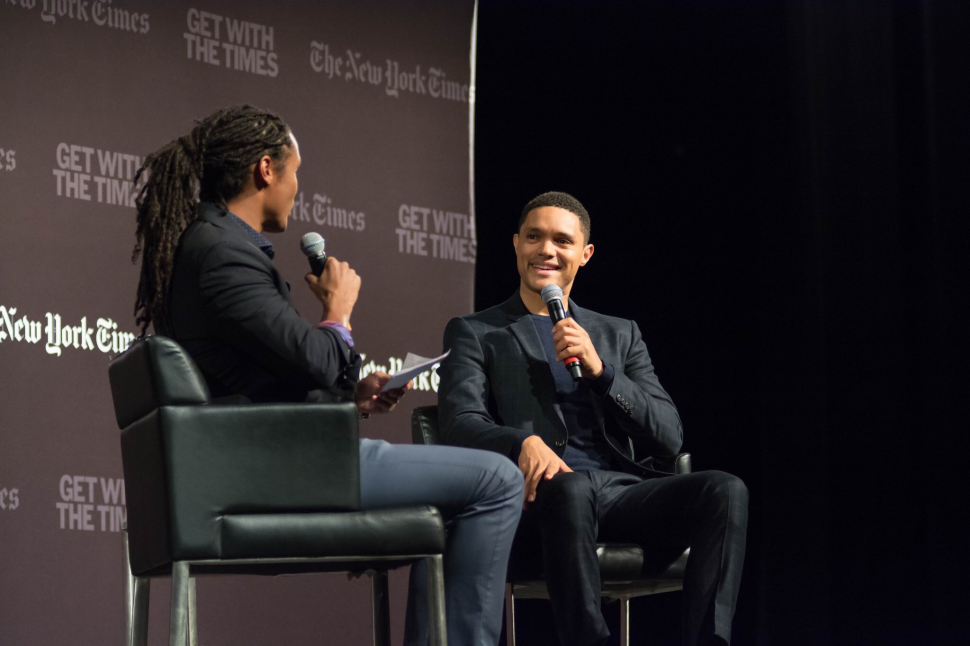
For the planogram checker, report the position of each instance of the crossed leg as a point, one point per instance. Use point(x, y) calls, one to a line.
point(479, 494)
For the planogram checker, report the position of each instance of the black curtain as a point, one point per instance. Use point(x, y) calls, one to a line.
point(776, 191)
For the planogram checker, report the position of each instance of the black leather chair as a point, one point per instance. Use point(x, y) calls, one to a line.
point(622, 572)
point(248, 489)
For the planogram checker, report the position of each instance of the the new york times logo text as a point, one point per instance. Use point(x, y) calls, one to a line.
point(8, 159)
point(9, 499)
point(104, 336)
point(323, 211)
point(100, 12)
point(396, 78)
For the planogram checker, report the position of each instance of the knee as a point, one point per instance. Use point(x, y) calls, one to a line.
point(505, 474)
point(725, 490)
point(511, 477)
point(567, 495)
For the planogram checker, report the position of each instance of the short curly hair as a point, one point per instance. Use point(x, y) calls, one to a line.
point(563, 201)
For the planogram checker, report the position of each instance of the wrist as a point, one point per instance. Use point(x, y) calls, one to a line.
point(332, 316)
point(339, 328)
point(533, 440)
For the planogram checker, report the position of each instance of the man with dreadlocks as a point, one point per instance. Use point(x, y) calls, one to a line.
point(208, 281)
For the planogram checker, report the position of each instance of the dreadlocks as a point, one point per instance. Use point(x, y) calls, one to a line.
point(214, 160)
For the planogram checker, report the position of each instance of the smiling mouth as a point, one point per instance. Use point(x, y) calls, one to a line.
point(544, 268)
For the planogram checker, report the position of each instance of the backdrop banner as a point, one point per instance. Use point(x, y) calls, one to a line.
point(379, 97)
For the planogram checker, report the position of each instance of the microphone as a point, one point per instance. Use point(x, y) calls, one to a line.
point(552, 296)
point(312, 246)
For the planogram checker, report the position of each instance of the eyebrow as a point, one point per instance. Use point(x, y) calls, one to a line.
point(555, 234)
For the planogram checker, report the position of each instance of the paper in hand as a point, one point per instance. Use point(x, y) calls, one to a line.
point(413, 366)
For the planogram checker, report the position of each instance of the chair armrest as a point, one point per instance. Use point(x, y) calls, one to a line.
point(208, 461)
point(678, 465)
point(682, 464)
point(424, 425)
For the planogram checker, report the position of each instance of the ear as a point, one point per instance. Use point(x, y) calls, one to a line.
point(587, 254)
point(263, 174)
point(515, 241)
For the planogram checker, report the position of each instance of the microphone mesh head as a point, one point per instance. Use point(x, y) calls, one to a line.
point(551, 293)
point(312, 244)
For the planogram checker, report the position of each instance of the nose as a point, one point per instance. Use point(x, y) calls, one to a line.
point(548, 248)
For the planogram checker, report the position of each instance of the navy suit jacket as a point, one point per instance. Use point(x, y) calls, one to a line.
point(230, 309)
point(497, 388)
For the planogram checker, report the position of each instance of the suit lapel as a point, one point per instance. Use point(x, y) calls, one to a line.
point(520, 323)
point(524, 330)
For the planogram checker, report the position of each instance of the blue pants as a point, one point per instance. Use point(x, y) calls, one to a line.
point(479, 493)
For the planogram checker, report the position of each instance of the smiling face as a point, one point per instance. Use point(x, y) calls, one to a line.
point(550, 247)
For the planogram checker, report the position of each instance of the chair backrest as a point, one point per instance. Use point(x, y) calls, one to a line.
point(193, 470)
point(424, 425)
point(154, 371)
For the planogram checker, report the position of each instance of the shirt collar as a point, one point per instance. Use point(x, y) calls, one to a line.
point(252, 234)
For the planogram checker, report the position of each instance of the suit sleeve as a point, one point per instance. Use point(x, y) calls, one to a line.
point(250, 314)
point(463, 397)
point(639, 404)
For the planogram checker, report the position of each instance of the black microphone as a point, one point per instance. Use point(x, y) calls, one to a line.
point(313, 246)
point(552, 297)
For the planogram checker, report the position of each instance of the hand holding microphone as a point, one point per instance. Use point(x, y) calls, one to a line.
point(336, 286)
point(573, 345)
point(334, 283)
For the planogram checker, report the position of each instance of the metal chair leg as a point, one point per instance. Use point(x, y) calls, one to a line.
point(178, 620)
point(136, 602)
point(509, 615)
point(625, 621)
point(381, 609)
point(139, 618)
point(129, 590)
point(193, 623)
point(437, 627)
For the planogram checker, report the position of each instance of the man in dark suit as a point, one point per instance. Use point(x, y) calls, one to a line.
point(219, 294)
point(581, 445)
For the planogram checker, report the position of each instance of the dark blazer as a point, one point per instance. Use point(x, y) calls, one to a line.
point(231, 310)
point(497, 388)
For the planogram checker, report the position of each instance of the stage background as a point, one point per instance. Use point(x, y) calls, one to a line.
point(377, 94)
point(779, 194)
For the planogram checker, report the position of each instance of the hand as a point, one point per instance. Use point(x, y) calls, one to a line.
point(371, 400)
point(572, 341)
point(537, 462)
point(336, 288)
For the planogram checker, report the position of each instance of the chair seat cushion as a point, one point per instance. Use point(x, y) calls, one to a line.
point(384, 532)
point(623, 575)
point(619, 562)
